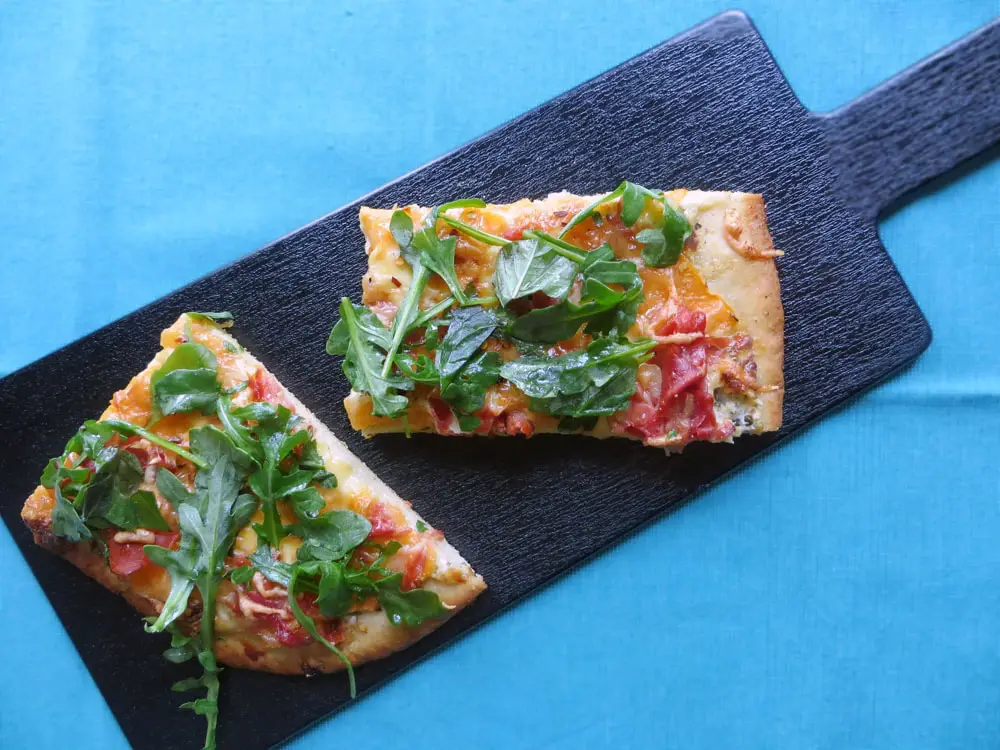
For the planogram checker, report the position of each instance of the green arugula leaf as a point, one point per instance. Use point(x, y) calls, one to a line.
point(633, 203)
point(587, 383)
point(529, 266)
point(273, 570)
point(663, 246)
point(364, 366)
point(335, 596)
point(113, 426)
point(470, 328)
point(410, 608)
point(561, 321)
point(601, 265)
point(136, 512)
point(186, 381)
point(241, 575)
point(221, 319)
point(367, 323)
point(306, 503)
point(426, 253)
point(330, 536)
point(209, 521)
point(466, 391)
point(310, 626)
point(589, 210)
point(66, 522)
point(463, 370)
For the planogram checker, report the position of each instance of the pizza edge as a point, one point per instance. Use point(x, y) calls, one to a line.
point(747, 279)
point(370, 637)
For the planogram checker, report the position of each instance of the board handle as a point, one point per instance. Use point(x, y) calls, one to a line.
point(919, 124)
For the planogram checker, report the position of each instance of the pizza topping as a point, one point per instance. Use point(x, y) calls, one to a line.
point(126, 553)
point(596, 381)
point(96, 484)
point(676, 405)
point(186, 381)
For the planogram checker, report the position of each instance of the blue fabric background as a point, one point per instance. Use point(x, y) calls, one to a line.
point(842, 593)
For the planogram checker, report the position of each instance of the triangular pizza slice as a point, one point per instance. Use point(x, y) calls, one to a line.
point(641, 313)
point(223, 510)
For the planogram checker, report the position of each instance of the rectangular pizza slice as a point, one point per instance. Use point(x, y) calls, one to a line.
point(642, 314)
point(223, 510)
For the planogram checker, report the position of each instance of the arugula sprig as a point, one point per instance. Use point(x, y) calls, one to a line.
point(210, 518)
point(426, 253)
point(663, 243)
point(592, 382)
point(96, 485)
point(364, 342)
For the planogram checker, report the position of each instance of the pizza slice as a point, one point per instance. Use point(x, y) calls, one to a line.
point(223, 510)
point(640, 314)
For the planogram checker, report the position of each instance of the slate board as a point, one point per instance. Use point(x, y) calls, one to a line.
point(708, 109)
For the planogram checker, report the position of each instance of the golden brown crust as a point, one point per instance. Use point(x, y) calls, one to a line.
point(367, 637)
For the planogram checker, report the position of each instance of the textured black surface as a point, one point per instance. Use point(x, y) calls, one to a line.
point(708, 109)
point(919, 124)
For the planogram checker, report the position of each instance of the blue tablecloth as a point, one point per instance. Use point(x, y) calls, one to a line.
point(843, 593)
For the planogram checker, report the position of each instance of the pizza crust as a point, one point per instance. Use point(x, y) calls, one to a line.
point(747, 279)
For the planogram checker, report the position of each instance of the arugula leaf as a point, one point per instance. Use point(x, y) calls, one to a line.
point(113, 426)
point(66, 522)
point(589, 210)
point(107, 495)
point(561, 321)
point(439, 256)
point(426, 253)
point(608, 391)
point(209, 521)
point(410, 608)
point(330, 536)
point(365, 366)
point(221, 319)
point(368, 324)
point(466, 392)
point(633, 203)
point(334, 597)
point(273, 570)
point(598, 380)
point(470, 328)
point(310, 626)
point(464, 372)
point(241, 575)
point(601, 265)
point(136, 512)
point(186, 381)
point(529, 266)
point(663, 246)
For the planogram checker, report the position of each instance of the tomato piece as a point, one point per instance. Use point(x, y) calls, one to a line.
point(416, 563)
point(289, 634)
point(125, 559)
point(263, 387)
point(441, 412)
point(383, 524)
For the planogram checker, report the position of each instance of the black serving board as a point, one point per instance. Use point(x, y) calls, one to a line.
point(708, 109)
